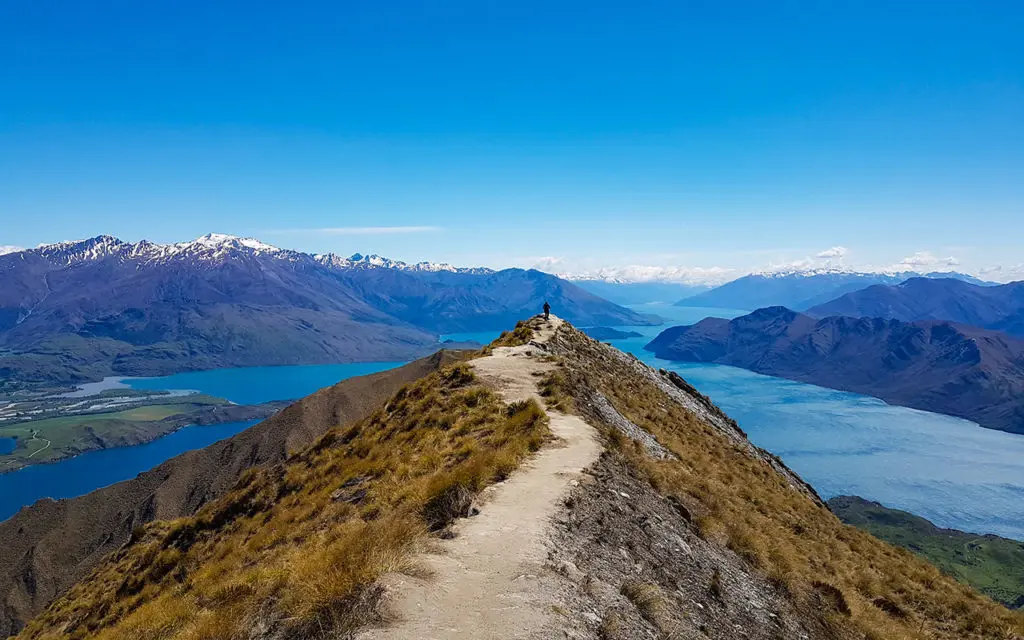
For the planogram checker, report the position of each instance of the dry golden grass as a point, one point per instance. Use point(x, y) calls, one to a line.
point(856, 585)
point(294, 551)
point(553, 387)
point(649, 600)
point(519, 336)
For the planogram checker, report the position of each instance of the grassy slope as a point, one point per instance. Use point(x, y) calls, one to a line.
point(294, 550)
point(856, 585)
point(993, 565)
point(55, 438)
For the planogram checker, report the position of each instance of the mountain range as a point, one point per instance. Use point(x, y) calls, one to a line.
point(993, 307)
point(801, 289)
point(933, 365)
point(81, 310)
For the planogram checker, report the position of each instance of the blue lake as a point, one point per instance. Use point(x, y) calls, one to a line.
point(253, 385)
point(951, 471)
point(948, 470)
point(89, 471)
point(7, 445)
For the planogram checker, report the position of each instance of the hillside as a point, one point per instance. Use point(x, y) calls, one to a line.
point(799, 290)
point(993, 565)
point(996, 307)
point(51, 545)
point(83, 310)
point(643, 512)
point(936, 366)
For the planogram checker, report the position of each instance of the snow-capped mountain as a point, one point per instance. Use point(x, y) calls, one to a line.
point(636, 274)
point(214, 247)
point(88, 308)
point(802, 288)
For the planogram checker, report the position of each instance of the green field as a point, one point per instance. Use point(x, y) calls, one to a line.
point(990, 564)
point(54, 438)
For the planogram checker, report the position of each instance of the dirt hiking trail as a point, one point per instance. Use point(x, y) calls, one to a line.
point(490, 581)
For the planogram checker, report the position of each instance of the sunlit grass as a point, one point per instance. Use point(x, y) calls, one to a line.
point(852, 582)
point(295, 550)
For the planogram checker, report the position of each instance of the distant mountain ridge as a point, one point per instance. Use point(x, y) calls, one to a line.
point(639, 292)
point(937, 366)
point(81, 310)
point(995, 307)
point(801, 289)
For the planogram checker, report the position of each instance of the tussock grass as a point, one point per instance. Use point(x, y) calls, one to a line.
point(554, 388)
point(856, 585)
point(649, 600)
point(519, 336)
point(294, 551)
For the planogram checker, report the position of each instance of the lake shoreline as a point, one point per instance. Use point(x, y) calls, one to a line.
point(228, 413)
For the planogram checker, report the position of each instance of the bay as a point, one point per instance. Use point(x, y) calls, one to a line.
point(96, 469)
point(949, 470)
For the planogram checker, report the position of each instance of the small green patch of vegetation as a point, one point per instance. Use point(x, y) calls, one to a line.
point(990, 564)
point(51, 439)
point(295, 550)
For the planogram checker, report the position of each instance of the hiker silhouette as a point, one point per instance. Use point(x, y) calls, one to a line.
point(547, 310)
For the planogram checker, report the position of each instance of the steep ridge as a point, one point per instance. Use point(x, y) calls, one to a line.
point(49, 546)
point(480, 585)
point(680, 528)
point(936, 366)
point(999, 307)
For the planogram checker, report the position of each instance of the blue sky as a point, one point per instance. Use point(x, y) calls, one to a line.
point(734, 135)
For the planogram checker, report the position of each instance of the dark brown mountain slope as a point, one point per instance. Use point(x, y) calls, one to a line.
point(937, 366)
point(49, 546)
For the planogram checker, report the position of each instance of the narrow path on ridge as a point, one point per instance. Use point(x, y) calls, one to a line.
point(490, 581)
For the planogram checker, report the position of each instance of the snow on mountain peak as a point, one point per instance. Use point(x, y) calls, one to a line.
point(221, 240)
point(214, 247)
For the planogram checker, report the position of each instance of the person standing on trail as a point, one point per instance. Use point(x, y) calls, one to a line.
point(547, 310)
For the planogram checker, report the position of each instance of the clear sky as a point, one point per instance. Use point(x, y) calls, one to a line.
point(572, 135)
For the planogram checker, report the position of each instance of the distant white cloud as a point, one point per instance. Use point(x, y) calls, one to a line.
point(8, 248)
point(646, 273)
point(1001, 273)
point(833, 253)
point(926, 260)
point(541, 263)
point(354, 231)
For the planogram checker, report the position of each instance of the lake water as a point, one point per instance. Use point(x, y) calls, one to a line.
point(7, 445)
point(89, 471)
point(94, 469)
point(948, 470)
point(253, 385)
